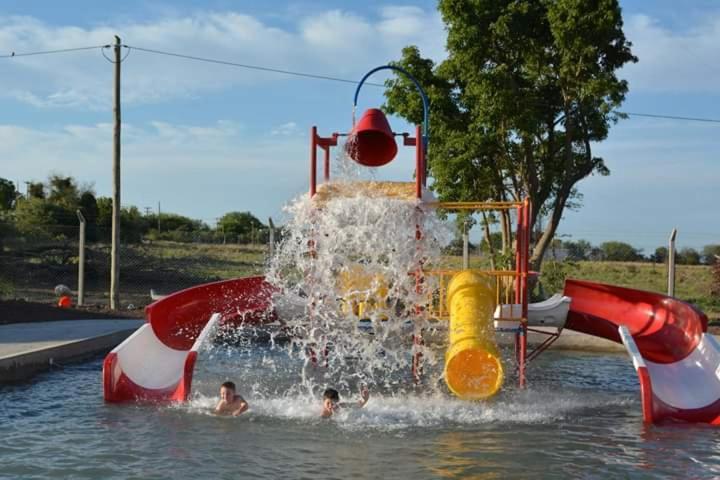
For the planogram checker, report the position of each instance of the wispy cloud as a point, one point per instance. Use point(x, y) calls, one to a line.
point(195, 168)
point(338, 42)
point(674, 61)
point(288, 128)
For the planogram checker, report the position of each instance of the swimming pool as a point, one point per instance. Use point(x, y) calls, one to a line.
point(579, 419)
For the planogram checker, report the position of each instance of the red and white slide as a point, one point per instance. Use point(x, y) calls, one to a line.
point(677, 361)
point(156, 362)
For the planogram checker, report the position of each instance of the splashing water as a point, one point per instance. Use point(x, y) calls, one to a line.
point(350, 264)
point(349, 273)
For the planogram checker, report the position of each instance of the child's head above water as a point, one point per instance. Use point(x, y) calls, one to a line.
point(331, 394)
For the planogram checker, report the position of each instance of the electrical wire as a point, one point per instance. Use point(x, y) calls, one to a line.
point(293, 73)
point(51, 52)
point(250, 67)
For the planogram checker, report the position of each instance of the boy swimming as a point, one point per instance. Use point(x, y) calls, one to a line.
point(230, 402)
point(331, 401)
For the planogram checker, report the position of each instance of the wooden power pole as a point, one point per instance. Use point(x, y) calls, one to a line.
point(115, 249)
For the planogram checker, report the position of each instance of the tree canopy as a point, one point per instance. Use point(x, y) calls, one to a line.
point(239, 224)
point(527, 87)
point(8, 194)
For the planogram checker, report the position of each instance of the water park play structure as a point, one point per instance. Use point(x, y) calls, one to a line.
point(677, 361)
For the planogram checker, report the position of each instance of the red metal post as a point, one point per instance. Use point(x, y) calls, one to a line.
point(524, 284)
point(518, 254)
point(326, 175)
point(418, 343)
point(313, 161)
point(418, 162)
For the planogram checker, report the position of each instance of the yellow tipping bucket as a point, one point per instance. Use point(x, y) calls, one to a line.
point(473, 370)
point(363, 294)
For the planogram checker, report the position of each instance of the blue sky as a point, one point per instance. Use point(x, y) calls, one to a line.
point(207, 139)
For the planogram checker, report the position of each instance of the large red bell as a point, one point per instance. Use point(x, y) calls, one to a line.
point(371, 141)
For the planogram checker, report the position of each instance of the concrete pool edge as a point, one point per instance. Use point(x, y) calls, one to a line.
point(37, 355)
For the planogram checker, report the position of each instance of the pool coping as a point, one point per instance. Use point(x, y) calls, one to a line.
point(41, 354)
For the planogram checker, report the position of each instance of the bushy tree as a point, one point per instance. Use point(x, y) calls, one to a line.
point(239, 224)
point(620, 252)
point(35, 190)
point(39, 217)
point(8, 194)
point(709, 253)
point(688, 256)
point(527, 88)
point(579, 250)
point(660, 255)
point(63, 192)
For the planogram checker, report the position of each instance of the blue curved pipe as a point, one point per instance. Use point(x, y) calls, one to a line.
point(426, 110)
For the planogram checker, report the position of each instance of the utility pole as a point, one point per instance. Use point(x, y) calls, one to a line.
point(158, 216)
point(115, 249)
point(671, 263)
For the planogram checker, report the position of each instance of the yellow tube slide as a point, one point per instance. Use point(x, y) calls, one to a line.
point(472, 365)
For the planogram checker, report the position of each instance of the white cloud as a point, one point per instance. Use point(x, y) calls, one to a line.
point(674, 61)
point(288, 128)
point(197, 170)
point(333, 43)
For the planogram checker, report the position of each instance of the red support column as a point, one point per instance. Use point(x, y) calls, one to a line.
point(524, 267)
point(418, 343)
point(313, 161)
point(518, 254)
point(326, 170)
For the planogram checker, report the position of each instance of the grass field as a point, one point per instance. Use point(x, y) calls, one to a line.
point(693, 283)
point(170, 266)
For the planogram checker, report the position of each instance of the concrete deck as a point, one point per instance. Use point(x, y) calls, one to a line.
point(29, 348)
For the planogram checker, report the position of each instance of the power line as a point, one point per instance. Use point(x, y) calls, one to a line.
point(250, 67)
point(671, 117)
point(297, 74)
point(50, 52)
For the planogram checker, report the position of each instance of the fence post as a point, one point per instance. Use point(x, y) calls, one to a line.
point(271, 237)
point(465, 240)
point(81, 260)
point(671, 264)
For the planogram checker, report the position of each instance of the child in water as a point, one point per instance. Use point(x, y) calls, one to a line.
point(230, 402)
point(331, 401)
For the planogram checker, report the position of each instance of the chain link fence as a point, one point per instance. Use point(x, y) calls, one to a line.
point(32, 264)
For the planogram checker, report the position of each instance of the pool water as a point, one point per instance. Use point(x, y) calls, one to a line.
point(580, 418)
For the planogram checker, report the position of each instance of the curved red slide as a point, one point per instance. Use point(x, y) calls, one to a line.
point(156, 362)
point(677, 362)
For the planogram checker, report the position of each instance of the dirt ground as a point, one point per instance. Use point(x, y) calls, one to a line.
point(18, 311)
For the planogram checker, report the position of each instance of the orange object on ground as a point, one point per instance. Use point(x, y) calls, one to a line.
point(65, 302)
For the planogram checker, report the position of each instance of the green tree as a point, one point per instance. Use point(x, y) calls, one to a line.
point(36, 190)
point(709, 254)
point(133, 225)
point(239, 225)
point(8, 194)
point(104, 214)
point(528, 86)
point(688, 256)
point(64, 192)
point(579, 250)
point(660, 255)
point(175, 222)
point(88, 205)
point(39, 217)
point(620, 252)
